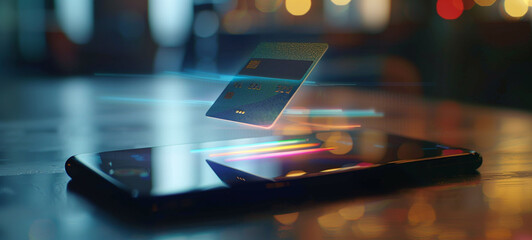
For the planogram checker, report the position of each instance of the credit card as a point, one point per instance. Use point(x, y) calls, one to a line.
point(263, 88)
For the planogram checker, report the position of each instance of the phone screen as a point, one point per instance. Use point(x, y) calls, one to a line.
point(177, 169)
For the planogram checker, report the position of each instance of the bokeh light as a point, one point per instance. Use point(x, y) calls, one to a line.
point(340, 141)
point(341, 2)
point(485, 3)
point(449, 9)
point(206, 24)
point(516, 8)
point(421, 212)
point(298, 7)
point(468, 4)
point(369, 227)
point(76, 19)
point(375, 14)
point(287, 219)
point(237, 21)
point(353, 212)
point(367, 146)
point(331, 221)
point(170, 21)
point(337, 16)
point(267, 6)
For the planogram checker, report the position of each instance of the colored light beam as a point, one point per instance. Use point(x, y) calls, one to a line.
point(270, 149)
point(220, 77)
point(333, 113)
point(331, 126)
point(225, 78)
point(312, 112)
point(279, 154)
point(205, 77)
point(152, 100)
point(252, 145)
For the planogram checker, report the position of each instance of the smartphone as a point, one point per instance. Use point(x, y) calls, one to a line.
point(203, 178)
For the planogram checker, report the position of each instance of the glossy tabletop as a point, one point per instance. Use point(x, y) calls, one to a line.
point(44, 121)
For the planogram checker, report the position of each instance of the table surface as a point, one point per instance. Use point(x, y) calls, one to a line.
point(44, 121)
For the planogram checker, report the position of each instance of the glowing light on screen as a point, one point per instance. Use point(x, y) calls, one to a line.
point(449, 9)
point(170, 21)
point(485, 3)
point(266, 6)
point(252, 145)
point(341, 2)
point(516, 8)
point(271, 149)
point(298, 7)
point(279, 154)
point(76, 19)
point(375, 14)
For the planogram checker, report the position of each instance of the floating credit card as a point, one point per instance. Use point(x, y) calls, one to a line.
point(263, 88)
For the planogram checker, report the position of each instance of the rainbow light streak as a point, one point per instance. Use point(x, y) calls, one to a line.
point(333, 112)
point(271, 149)
point(279, 154)
point(273, 143)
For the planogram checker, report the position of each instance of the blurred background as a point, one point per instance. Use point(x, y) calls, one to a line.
point(477, 51)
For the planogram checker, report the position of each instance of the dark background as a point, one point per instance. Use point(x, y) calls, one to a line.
point(483, 56)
